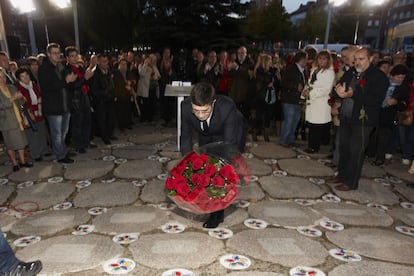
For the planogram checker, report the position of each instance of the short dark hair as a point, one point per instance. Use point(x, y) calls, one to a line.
point(399, 69)
point(203, 93)
point(22, 70)
point(70, 49)
point(299, 56)
point(102, 55)
point(382, 62)
point(52, 45)
point(3, 53)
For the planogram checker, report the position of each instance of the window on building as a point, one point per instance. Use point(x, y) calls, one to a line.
point(401, 16)
point(376, 23)
point(369, 23)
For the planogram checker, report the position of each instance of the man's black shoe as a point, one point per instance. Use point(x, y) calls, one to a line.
point(107, 141)
point(311, 151)
point(26, 165)
point(25, 269)
point(92, 146)
point(39, 159)
point(65, 160)
point(214, 220)
point(82, 150)
point(114, 138)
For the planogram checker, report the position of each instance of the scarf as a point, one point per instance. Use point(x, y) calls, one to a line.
point(32, 94)
point(7, 94)
point(390, 90)
point(80, 75)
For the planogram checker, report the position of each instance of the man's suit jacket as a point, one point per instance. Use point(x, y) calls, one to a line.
point(291, 79)
point(227, 125)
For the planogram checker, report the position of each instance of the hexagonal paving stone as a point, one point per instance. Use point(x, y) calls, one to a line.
point(151, 138)
point(256, 273)
point(290, 187)
point(6, 221)
point(187, 249)
point(353, 214)
point(107, 195)
point(369, 268)
point(45, 194)
point(88, 169)
point(297, 167)
point(406, 191)
point(397, 170)
point(5, 170)
point(50, 222)
point(5, 192)
point(379, 244)
point(272, 151)
point(403, 214)
point(258, 167)
point(64, 254)
point(232, 217)
point(134, 151)
point(250, 192)
point(130, 219)
point(154, 192)
point(283, 213)
point(370, 171)
point(369, 191)
point(280, 246)
point(138, 169)
point(38, 171)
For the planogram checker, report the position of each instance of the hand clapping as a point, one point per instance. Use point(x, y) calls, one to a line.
point(340, 89)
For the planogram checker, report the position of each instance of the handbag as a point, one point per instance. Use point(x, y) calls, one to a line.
point(270, 96)
point(405, 118)
point(27, 119)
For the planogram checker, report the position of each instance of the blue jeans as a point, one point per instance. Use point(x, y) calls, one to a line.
point(7, 258)
point(59, 126)
point(291, 117)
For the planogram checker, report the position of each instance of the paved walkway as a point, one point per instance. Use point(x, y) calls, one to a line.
point(118, 189)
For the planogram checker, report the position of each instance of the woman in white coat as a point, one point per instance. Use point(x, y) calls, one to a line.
point(318, 111)
point(148, 89)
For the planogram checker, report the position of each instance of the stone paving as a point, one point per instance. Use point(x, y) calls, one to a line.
point(127, 178)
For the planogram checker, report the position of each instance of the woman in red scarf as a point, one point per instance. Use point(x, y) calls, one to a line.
point(31, 92)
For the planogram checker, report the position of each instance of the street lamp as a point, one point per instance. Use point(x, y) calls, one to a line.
point(27, 6)
point(331, 3)
point(63, 4)
point(369, 3)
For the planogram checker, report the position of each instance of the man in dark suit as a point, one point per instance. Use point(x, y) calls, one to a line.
point(216, 119)
point(293, 82)
point(367, 89)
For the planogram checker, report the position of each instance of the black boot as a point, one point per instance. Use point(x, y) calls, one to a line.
point(266, 135)
point(214, 220)
point(254, 135)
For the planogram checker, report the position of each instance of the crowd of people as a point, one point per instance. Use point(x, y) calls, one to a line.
point(293, 97)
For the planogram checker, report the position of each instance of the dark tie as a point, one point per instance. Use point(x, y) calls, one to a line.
point(205, 126)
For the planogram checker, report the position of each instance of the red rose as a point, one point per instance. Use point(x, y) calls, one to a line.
point(210, 170)
point(204, 157)
point(198, 194)
point(197, 163)
point(362, 82)
point(181, 186)
point(331, 101)
point(190, 157)
point(218, 181)
point(200, 180)
point(178, 170)
point(182, 190)
point(170, 184)
point(227, 171)
point(234, 178)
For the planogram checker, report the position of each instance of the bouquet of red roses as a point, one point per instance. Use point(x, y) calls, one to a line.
point(202, 183)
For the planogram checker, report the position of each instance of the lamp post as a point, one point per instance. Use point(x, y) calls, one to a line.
point(331, 3)
point(27, 7)
point(63, 4)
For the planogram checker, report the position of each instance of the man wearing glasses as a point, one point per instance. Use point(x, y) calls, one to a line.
point(216, 119)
